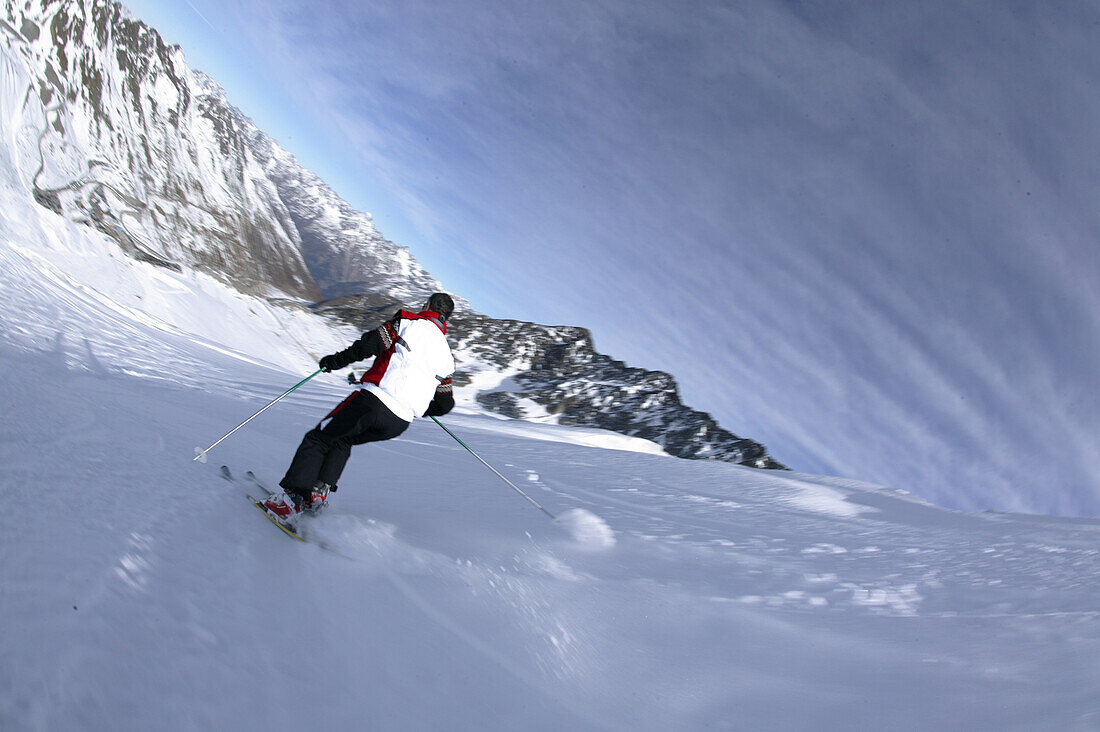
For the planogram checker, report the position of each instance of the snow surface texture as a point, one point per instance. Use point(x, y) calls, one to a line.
point(140, 591)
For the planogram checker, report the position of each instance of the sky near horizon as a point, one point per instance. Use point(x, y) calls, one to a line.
point(864, 234)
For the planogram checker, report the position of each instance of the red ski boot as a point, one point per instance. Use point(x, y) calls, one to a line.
point(284, 505)
point(317, 497)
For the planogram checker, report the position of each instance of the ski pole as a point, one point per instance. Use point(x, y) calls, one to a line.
point(200, 454)
point(490, 467)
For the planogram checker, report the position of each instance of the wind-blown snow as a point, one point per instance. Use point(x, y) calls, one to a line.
point(141, 591)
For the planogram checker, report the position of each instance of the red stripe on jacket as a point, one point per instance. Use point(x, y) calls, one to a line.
point(382, 361)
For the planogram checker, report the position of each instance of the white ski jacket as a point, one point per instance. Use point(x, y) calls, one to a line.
point(407, 374)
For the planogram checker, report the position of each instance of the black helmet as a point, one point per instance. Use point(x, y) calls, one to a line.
point(441, 303)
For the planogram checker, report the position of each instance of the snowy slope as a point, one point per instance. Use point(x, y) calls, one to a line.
point(140, 591)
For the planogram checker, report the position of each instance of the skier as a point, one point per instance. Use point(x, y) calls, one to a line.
point(410, 377)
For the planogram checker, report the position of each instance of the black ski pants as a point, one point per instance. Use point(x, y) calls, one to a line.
point(324, 451)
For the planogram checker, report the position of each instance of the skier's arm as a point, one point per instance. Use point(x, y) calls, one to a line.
point(372, 343)
point(443, 401)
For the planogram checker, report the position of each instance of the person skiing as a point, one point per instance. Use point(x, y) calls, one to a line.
point(410, 377)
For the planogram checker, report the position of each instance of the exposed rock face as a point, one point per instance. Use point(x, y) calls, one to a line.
point(561, 371)
point(123, 136)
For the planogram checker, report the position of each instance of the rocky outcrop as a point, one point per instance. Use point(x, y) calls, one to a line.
point(556, 372)
point(559, 369)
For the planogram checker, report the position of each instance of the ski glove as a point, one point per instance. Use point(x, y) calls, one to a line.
point(330, 363)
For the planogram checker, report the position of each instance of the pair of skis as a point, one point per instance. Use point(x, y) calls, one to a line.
point(253, 484)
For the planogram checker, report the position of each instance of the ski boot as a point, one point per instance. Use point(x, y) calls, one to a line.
point(285, 505)
point(315, 501)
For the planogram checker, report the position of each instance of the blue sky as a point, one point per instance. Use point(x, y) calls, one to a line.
point(865, 234)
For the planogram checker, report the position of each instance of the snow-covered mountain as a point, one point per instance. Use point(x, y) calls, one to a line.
point(345, 253)
point(109, 127)
point(139, 145)
point(114, 130)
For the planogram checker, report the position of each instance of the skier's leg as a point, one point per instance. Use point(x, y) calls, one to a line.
point(307, 462)
point(319, 443)
point(375, 422)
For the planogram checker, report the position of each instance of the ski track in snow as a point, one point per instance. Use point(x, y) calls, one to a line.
point(704, 595)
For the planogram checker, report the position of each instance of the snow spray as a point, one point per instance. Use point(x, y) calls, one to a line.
point(587, 529)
